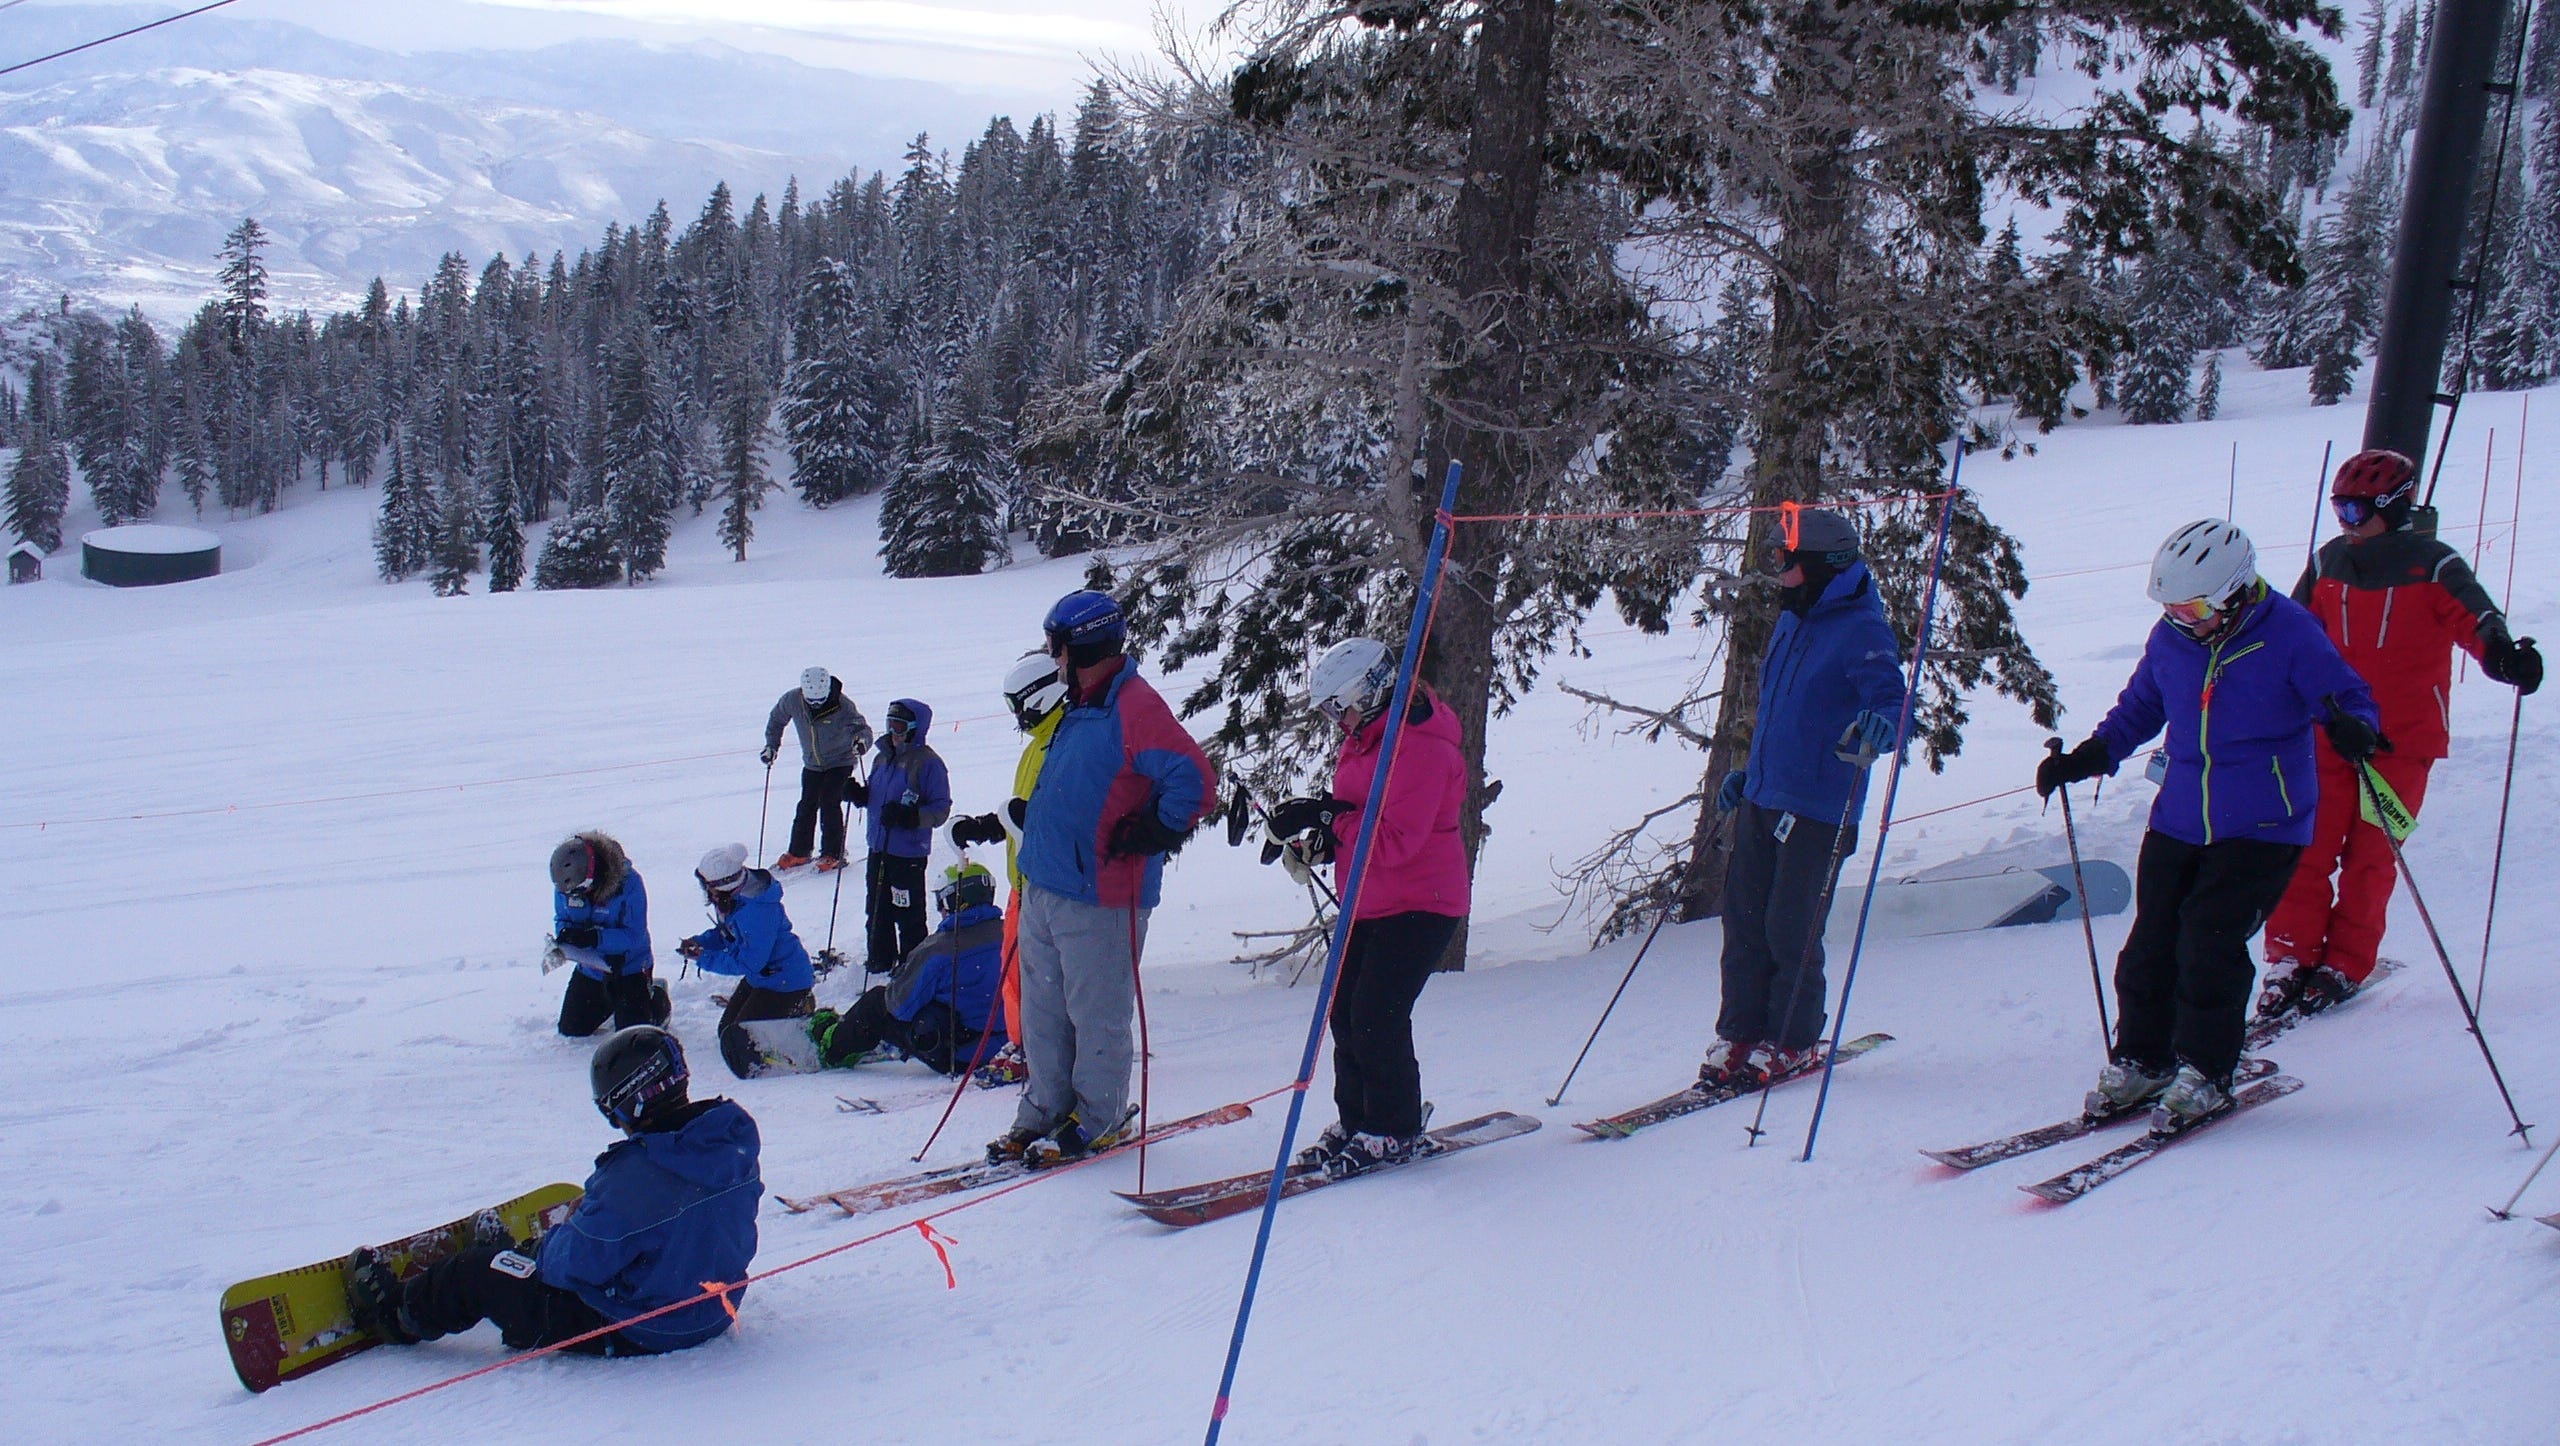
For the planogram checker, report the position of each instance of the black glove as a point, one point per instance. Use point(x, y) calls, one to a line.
point(2516, 663)
point(581, 936)
point(1144, 833)
point(900, 815)
point(1295, 816)
point(1017, 809)
point(2058, 770)
point(857, 791)
point(770, 753)
point(977, 828)
point(2355, 739)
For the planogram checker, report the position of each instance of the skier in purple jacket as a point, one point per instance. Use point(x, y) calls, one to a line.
point(2238, 675)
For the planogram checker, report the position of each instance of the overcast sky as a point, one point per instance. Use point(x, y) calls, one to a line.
point(1042, 46)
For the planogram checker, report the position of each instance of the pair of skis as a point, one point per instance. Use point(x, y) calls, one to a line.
point(2258, 1080)
point(975, 1174)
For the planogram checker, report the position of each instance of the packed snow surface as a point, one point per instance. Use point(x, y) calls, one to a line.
point(157, 539)
point(274, 852)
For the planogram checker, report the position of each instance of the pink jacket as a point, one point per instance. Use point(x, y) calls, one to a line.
point(1417, 862)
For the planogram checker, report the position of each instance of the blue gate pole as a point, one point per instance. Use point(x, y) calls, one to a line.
point(1892, 785)
point(1422, 605)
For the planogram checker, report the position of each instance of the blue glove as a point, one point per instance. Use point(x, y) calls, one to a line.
point(1868, 737)
point(1729, 792)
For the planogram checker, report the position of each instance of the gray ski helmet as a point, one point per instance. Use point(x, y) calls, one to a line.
point(2208, 559)
point(1819, 532)
point(635, 1071)
point(573, 866)
point(815, 683)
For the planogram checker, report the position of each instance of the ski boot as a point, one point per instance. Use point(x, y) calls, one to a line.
point(1011, 1145)
point(662, 1006)
point(2321, 987)
point(1364, 1152)
point(1068, 1143)
point(377, 1299)
point(1008, 1067)
point(1769, 1062)
point(2189, 1100)
point(1319, 1155)
point(789, 861)
point(2123, 1087)
point(829, 863)
point(1725, 1063)
point(2280, 991)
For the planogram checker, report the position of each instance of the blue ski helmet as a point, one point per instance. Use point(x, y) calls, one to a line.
point(1089, 625)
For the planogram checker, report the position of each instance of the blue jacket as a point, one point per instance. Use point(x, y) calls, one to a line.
point(2239, 715)
point(959, 968)
point(898, 772)
point(1823, 668)
point(754, 940)
point(1112, 756)
point(665, 1212)
point(622, 926)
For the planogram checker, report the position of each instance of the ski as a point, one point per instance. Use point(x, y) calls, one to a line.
point(2072, 1184)
point(2027, 1142)
point(1217, 1199)
point(2551, 1220)
point(1694, 1099)
point(952, 1179)
point(2266, 1028)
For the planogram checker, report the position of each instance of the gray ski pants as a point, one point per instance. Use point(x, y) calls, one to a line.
point(1079, 996)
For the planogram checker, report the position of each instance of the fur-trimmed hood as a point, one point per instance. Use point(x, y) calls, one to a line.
point(613, 866)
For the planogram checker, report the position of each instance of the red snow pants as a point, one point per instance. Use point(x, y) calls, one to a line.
point(2333, 912)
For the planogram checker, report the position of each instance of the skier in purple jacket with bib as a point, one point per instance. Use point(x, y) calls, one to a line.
point(2238, 675)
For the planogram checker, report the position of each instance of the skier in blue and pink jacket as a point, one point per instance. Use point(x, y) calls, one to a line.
point(2238, 676)
point(1122, 786)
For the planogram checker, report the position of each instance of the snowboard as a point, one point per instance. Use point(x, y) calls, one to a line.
point(2072, 1184)
point(2027, 1142)
point(284, 1326)
point(1691, 1100)
point(1217, 1199)
point(783, 1046)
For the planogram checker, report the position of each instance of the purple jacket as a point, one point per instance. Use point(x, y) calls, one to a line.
point(2239, 715)
point(1417, 863)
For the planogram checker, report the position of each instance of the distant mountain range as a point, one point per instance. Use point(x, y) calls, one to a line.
point(121, 169)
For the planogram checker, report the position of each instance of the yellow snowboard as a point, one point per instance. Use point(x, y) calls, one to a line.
point(296, 1321)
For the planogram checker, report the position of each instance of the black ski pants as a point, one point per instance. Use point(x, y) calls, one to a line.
point(821, 812)
point(498, 1284)
point(747, 1002)
point(1777, 898)
point(1377, 1083)
point(626, 999)
point(893, 910)
point(2182, 982)
point(929, 1037)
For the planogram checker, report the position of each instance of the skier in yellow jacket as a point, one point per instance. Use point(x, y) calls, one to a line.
point(1034, 691)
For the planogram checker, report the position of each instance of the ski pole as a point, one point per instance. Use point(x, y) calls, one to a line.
point(976, 1058)
point(1138, 988)
point(1658, 921)
point(2088, 930)
point(828, 955)
point(1314, 879)
point(2508, 1210)
point(764, 815)
point(2319, 507)
point(2498, 855)
point(2364, 776)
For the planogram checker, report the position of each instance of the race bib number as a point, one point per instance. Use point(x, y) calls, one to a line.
point(1786, 826)
point(513, 1262)
point(900, 898)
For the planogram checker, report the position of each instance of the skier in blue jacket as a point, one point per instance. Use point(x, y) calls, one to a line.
point(940, 1005)
point(600, 923)
point(906, 798)
point(2238, 675)
point(753, 940)
point(1830, 702)
point(669, 1212)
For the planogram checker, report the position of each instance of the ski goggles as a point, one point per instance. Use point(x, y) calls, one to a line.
point(2192, 614)
point(2353, 511)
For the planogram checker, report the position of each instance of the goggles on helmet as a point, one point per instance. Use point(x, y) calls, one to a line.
point(2201, 617)
point(2353, 511)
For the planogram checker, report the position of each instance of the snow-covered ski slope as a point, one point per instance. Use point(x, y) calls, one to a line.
point(297, 1009)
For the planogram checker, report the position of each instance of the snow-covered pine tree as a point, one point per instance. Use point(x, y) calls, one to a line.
point(2209, 390)
point(744, 409)
point(584, 549)
point(454, 552)
point(395, 533)
point(643, 454)
point(948, 507)
point(40, 480)
point(2520, 326)
point(2377, 23)
point(2155, 379)
point(2341, 302)
point(836, 397)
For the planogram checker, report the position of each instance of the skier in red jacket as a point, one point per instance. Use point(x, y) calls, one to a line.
point(2396, 602)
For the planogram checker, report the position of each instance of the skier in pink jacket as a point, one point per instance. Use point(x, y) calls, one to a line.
point(1411, 899)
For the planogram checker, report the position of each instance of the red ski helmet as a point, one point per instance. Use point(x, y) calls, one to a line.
point(2376, 481)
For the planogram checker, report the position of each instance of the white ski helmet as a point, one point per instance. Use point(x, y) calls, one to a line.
point(814, 685)
point(1354, 678)
point(1033, 689)
point(2209, 560)
point(723, 869)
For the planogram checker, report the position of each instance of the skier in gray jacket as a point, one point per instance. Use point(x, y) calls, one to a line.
point(833, 738)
